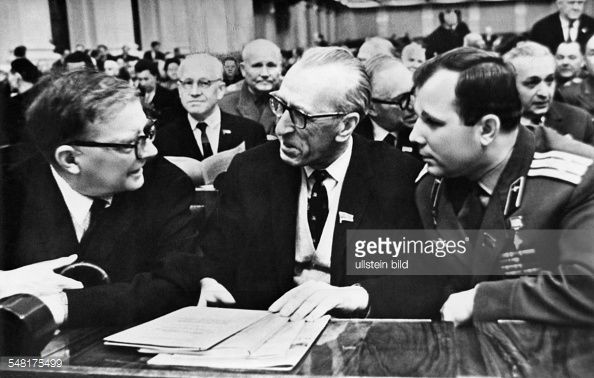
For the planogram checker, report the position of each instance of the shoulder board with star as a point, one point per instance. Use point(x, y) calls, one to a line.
point(423, 172)
point(559, 165)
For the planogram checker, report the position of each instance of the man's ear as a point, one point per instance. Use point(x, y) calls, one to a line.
point(348, 124)
point(220, 90)
point(371, 110)
point(490, 126)
point(66, 158)
point(242, 68)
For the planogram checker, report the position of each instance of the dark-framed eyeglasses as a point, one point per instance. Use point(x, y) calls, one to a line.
point(298, 117)
point(404, 101)
point(188, 84)
point(139, 144)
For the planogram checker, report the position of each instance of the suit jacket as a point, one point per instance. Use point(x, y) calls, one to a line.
point(569, 119)
point(149, 56)
point(548, 31)
point(552, 280)
point(177, 139)
point(141, 241)
point(243, 103)
point(365, 129)
point(580, 94)
point(250, 246)
point(165, 104)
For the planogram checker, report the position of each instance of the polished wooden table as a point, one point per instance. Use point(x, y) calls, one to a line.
point(366, 348)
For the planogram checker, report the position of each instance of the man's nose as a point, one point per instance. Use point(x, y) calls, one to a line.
point(415, 135)
point(149, 150)
point(284, 125)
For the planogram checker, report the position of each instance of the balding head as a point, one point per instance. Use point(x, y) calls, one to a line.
point(391, 83)
point(261, 66)
point(375, 46)
point(202, 86)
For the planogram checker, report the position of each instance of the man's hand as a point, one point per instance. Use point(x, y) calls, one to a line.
point(213, 292)
point(313, 299)
point(38, 279)
point(458, 308)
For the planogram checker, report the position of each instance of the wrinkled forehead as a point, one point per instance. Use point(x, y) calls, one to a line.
point(199, 71)
point(315, 89)
point(533, 66)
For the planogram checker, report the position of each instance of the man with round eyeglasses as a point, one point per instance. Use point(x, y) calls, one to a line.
point(279, 241)
point(203, 130)
point(96, 189)
point(390, 116)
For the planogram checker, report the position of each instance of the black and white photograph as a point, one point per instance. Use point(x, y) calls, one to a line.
point(219, 188)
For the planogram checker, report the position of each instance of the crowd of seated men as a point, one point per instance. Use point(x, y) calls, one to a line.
point(468, 145)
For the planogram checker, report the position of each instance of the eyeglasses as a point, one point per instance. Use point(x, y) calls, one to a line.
point(188, 84)
point(138, 145)
point(298, 117)
point(404, 101)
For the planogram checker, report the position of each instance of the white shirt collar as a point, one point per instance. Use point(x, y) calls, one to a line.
point(213, 120)
point(379, 133)
point(336, 170)
point(78, 204)
point(213, 129)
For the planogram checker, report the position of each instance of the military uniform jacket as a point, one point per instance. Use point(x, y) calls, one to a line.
point(548, 184)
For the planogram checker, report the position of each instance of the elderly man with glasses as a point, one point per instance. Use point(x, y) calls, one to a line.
point(203, 129)
point(390, 116)
point(279, 242)
point(96, 189)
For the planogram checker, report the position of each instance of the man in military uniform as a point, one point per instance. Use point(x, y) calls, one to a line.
point(489, 179)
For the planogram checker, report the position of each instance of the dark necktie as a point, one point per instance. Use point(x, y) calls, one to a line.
point(97, 209)
point(317, 208)
point(471, 214)
point(390, 139)
point(206, 149)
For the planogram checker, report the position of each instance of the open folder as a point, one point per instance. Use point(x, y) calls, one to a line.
point(223, 338)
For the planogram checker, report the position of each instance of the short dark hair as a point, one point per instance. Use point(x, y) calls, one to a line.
point(155, 44)
point(20, 51)
point(144, 65)
point(486, 85)
point(78, 57)
point(68, 103)
point(170, 61)
point(26, 69)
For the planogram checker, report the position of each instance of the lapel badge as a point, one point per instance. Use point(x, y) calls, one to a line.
point(517, 223)
point(515, 194)
point(226, 131)
point(345, 217)
point(407, 149)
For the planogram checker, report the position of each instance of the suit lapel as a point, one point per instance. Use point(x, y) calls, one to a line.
point(188, 140)
point(490, 246)
point(354, 198)
point(282, 214)
point(227, 139)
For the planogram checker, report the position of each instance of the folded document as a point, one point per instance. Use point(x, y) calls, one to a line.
point(223, 338)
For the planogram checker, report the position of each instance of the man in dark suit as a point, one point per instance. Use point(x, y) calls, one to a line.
point(570, 24)
point(96, 191)
point(161, 103)
point(279, 241)
point(582, 94)
point(534, 68)
point(524, 200)
point(261, 68)
point(154, 53)
point(203, 130)
point(390, 111)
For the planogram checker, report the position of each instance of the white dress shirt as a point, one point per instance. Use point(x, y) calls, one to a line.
point(573, 32)
point(213, 129)
point(304, 247)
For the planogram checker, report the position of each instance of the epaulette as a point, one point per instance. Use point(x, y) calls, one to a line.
point(559, 165)
point(423, 172)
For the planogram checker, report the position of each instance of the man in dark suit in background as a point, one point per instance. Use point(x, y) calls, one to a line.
point(279, 241)
point(570, 24)
point(95, 190)
point(390, 115)
point(203, 129)
point(154, 53)
point(582, 94)
point(534, 68)
point(160, 102)
point(261, 68)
